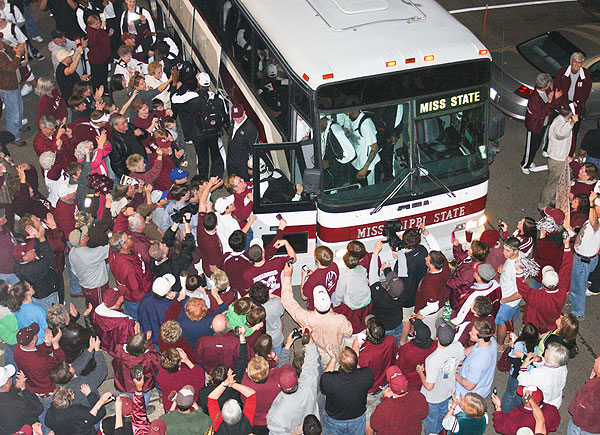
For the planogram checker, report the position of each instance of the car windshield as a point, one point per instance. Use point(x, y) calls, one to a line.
point(548, 52)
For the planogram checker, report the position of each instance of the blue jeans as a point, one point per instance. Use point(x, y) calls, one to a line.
point(13, 108)
point(397, 333)
point(131, 309)
point(9, 355)
point(75, 287)
point(46, 302)
point(46, 402)
point(579, 278)
point(32, 29)
point(433, 421)
point(10, 278)
point(509, 399)
point(535, 284)
point(277, 349)
point(573, 429)
point(354, 426)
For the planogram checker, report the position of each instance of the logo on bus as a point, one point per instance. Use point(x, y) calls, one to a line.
point(453, 101)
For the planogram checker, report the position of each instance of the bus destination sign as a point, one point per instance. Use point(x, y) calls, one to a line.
point(450, 101)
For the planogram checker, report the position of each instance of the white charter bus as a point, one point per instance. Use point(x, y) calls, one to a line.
point(297, 66)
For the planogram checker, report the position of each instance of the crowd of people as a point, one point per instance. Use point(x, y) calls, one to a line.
point(183, 301)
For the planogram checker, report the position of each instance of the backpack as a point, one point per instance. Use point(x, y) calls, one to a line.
point(212, 116)
point(333, 145)
point(383, 134)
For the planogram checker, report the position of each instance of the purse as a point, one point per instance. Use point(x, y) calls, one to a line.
point(211, 428)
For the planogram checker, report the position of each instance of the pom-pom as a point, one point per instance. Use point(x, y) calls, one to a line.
point(529, 267)
point(100, 183)
point(547, 224)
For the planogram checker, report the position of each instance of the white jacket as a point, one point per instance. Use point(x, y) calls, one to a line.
point(559, 138)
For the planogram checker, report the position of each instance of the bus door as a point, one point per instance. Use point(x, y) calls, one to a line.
point(278, 192)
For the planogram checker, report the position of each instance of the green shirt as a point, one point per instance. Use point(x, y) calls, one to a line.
point(195, 422)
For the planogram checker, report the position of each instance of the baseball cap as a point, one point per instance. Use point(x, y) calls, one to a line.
point(158, 426)
point(77, 234)
point(486, 272)
point(55, 34)
point(549, 277)
point(222, 203)
point(490, 237)
point(321, 299)
point(444, 333)
point(287, 378)
point(178, 174)
point(237, 111)
point(66, 189)
point(63, 54)
point(163, 284)
point(163, 143)
point(396, 379)
point(395, 284)
point(556, 214)
point(271, 71)
point(203, 79)
point(126, 406)
point(185, 397)
point(98, 116)
point(26, 334)
point(158, 195)
point(422, 332)
point(536, 393)
point(127, 35)
point(524, 431)
point(111, 296)
point(7, 372)
point(21, 249)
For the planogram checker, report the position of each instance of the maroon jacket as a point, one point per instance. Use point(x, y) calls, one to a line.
point(141, 243)
point(124, 363)
point(582, 88)
point(401, 415)
point(149, 177)
point(168, 382)
point(99, 45)
point(36, 365)
point(216, 349)
point(267, 391)
point(132, 275)
point(431, 288)
point(112, 331)
point(537, 111)
point(585, 406)
point(7, 243)
point(545, 306)
point(52, 105)
point(462, 279)
point(407, 359)
point(510, 423)
point(64, 215)
point(378, 357)
point(163, 181)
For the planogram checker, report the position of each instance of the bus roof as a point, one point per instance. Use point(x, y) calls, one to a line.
point(357, 38)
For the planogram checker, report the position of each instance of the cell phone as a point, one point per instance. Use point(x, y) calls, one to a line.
point(305, 267)
point(290, 261)
point(495, 392)
point(138, 371)
point(305, 336)
point(527, 396)
point(278, 216)
point(111, 398)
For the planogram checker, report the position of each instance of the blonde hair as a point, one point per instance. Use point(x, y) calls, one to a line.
point(153, 67)
point(474, 405)
point(134, 161)
point(220, 279)
point(258, 369)
point(170, 331)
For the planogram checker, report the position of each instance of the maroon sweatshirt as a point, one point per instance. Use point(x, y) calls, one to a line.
point(124, 363)
point(99, 45)
point(36, 364)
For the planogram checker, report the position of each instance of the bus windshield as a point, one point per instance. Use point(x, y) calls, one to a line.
point(426, 142)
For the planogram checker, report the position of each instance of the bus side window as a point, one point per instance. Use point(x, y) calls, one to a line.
point(211, 10)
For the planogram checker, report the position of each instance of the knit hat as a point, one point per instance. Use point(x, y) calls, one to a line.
point(26, 334)
point(396, 379)
point(490, 237)
point(321, 299)
point(422, 335)
point(287, 378)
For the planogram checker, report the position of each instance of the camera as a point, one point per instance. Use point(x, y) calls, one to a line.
point(126, 180)
point(392, 239)
point(296, 333)
point(237, 331)
point(178, 216)
point(138, 371)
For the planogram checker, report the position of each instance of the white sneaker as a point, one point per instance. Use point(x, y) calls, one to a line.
point(525, 170)
point(532, 166)
point(24, 122)
point(544, 154)
point(38, 39)
point(26, 89)
point(591, 293)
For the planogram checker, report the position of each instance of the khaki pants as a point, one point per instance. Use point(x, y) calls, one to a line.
point(555, 168)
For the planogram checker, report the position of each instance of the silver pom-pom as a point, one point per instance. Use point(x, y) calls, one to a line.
point(529, 267)
point(547, 224)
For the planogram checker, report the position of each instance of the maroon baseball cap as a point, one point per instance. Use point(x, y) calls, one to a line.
point(396, 379)
point(237, 111)
point(127, 35)
point(490, 237)
point(26, 334)
point(163, 143)
point(536, 393)
point(556, 214)
point(126, 406)
point(158, 427)
point(287, 378)
point(111, 296)
point(21, 249)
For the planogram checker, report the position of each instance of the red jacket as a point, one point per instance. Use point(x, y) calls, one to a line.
point(537, 111)
point(407, 359)
point(124, 363)
point(545, 306)
point(163, 181)
point(267, 391)
point(462, 279)
point(431, 288)
point(43, 143)
point(378, 357)
point(99, 45)
point(132, 275)
point(64, 215)
point(52, 105)
point(213, 350)
point(509, 423)
point(582, 88)
point(36, 364)
point(168, 382)
point(113, 330)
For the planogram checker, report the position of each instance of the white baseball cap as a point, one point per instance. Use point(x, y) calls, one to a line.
point(63, 54)
point(222, 203)
point(162, 285)
point(6, 372)
point(203, 79)
point(549, 277)
point(321, 299)
point(66, 189)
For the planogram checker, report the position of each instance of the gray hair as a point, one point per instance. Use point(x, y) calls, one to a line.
point(556, 354)
point(542, 80)
point(57, 316)
point(577, 55)
point(47, 121)
point(44, 86)
point(63, 397)
point(47, 159)
point(231, 412)
point(136, 222)
point(116, 241)
point(114, 118)
point(81, 147)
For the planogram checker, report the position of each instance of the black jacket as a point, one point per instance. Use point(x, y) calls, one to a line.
point(417, 269)
point(40, 274)
point(174, 265)
point(187, 107)
point(124, 145)
point(76, 419)
point(18, 408)
point(240, 148)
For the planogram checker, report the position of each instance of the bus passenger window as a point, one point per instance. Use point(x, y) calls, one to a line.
point(279, 177)
point(274, 91)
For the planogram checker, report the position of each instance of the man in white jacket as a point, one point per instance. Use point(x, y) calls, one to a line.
point(559, 144)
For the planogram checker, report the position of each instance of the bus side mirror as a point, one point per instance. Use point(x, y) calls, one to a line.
point(312, 181)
